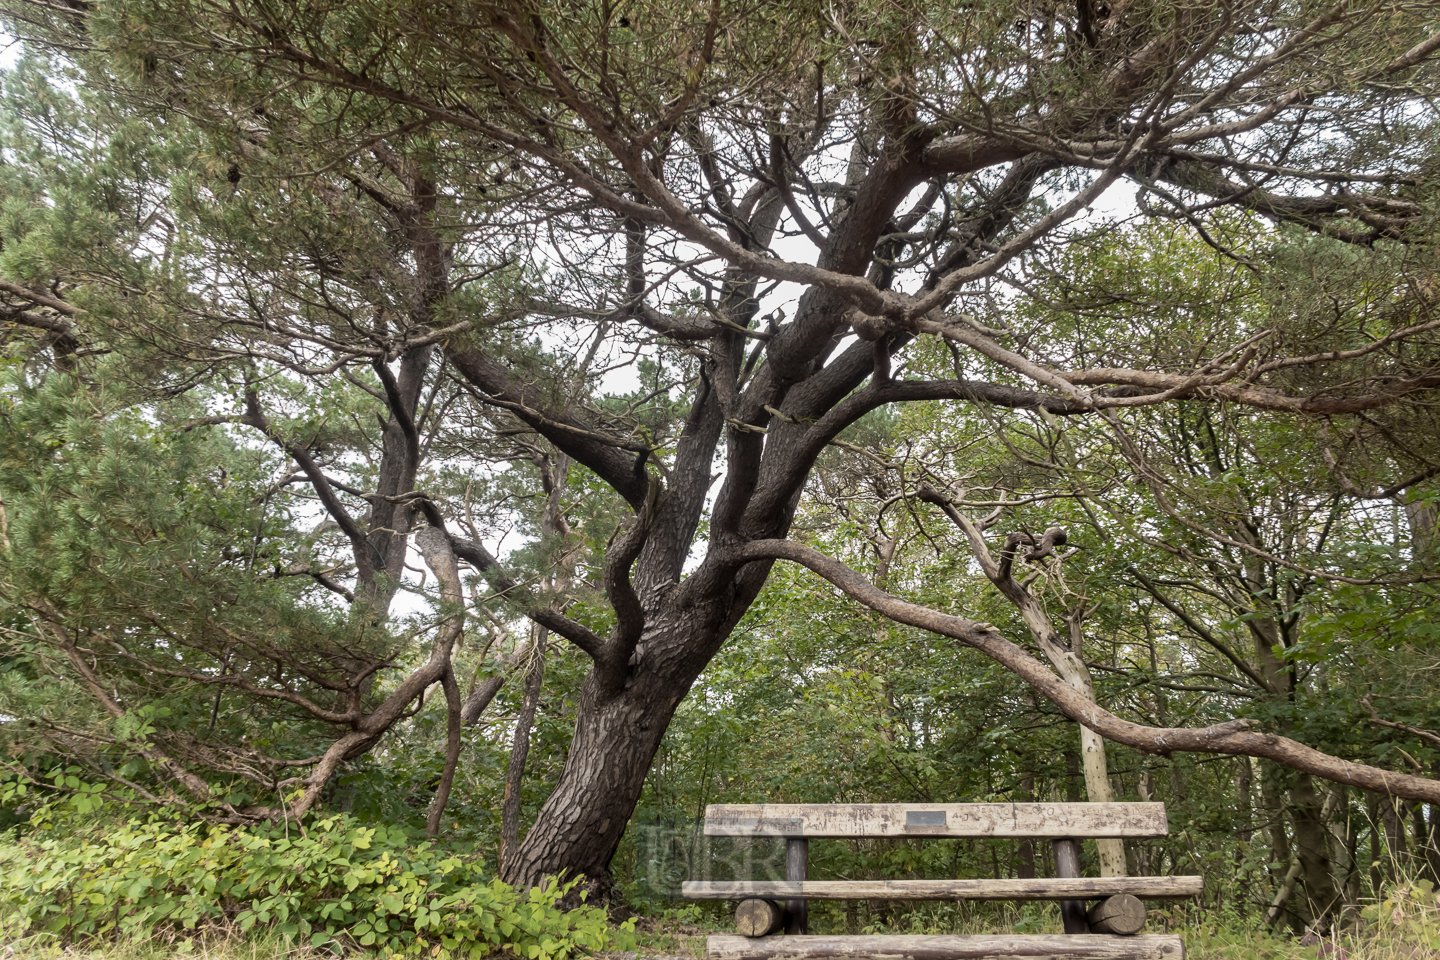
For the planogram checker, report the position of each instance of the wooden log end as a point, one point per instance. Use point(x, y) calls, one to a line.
point(1121, 914)
point(758, 918)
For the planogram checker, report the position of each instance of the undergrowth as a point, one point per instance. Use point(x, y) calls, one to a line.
point(334, 884)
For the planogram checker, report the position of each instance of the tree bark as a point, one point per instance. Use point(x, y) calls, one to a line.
point(580, 825)
point(1311, 816)
point(479, 699)
point(1342, 857)
point(1376, 845)
point(1245, 814)
point(1070, 664)
point(1424, 522)
point(1067, 659)
point(1273, 799)
point(1319, 910)
point(1072, 777)
point(1431, 867)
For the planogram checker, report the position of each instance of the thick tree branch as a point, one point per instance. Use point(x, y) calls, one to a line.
point(577, 633)
point(578, 440)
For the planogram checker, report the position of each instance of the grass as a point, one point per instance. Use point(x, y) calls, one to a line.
point(262, 947)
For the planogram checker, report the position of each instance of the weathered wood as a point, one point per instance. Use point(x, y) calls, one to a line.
point(797, 869)
point(1040, 888)
point(936, 820)
point(1029, 947)
point(1067, 867)
point(1121, 914)
point(758, 918)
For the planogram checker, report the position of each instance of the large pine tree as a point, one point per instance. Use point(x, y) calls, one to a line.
point(391, 243)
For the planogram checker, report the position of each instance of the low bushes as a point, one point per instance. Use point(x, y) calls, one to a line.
point(334, 882)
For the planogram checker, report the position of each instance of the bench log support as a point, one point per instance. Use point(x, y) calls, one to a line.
point(797, 869)
point(1067, 867)
point(1122, 914)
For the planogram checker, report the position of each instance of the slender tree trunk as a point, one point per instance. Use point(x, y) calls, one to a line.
point(1174, 772)
point(1245, 814)
point(1273, 799)
point(1432, 845)
point(1072, 777)
point(434, 546)
point(452, 751)
point(1301, 865)
point(1284, 892)
point(1145, 787)
point(1424, 839)
point(1025, 848)
point(554, 473)
point(1342, 859)
point(1073, 669)
point(520, 748)
point(1396, 853)
point(1424, 521)
point(1313, 848)
point(1377, 845)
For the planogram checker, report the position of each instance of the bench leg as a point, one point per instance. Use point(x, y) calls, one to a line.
point(1067, 866)
point(797, 866)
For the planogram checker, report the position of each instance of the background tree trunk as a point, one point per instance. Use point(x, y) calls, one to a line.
point(1025, 847)
point(520, 747)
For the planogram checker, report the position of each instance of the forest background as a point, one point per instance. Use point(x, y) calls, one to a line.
point(405, 407)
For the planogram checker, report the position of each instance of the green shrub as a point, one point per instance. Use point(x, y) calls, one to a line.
point(333, 882)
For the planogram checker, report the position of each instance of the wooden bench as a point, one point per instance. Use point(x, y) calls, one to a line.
point(1108, 928)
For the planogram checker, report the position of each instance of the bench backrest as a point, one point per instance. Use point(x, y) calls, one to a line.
point(841, 820)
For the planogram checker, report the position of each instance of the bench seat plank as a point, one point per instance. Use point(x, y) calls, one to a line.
point(840, 820)
point(1028, 947)
point(1081, 888)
